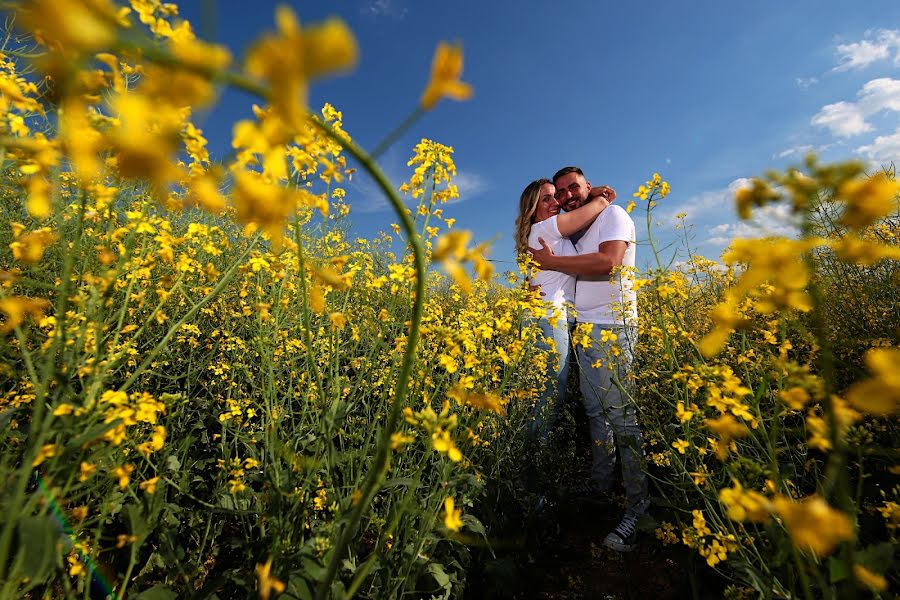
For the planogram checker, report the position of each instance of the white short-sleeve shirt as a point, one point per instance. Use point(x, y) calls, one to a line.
point(558, 288)
point(600, 299)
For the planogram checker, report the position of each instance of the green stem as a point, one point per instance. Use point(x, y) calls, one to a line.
point(379, 463)
point(399, 130)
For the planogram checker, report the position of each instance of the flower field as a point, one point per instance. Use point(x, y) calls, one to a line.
point(209, 387)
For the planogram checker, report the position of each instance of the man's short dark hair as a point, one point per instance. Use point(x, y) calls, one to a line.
point(566, 171)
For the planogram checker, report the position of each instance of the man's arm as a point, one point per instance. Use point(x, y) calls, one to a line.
point(599, 263)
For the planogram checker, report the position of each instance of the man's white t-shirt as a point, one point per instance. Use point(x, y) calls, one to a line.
point(601, 299)
point(558, 288)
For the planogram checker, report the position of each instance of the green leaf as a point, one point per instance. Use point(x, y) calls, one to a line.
point(837, 570)
point(877, 557)
point(399, 482)
point(313, 569)
point(298, 587)
point(157, 592)
point(37, 539)
point(440, 576)
point(172, 463)
point(474, 525)
point(136, 519)
point(92, 434)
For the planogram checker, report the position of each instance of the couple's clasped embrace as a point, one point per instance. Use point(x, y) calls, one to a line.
point(576, 252)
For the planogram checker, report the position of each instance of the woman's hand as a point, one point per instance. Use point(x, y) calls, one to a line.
point(604, 191)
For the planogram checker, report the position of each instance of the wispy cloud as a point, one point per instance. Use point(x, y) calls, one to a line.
point(846, 119)
point(470, 185)
point(806, 82)
point(769, 220)
point(714, 203)
point(367, 197)
point(384, 8)
point(884, 149)
point(794, 151)
point(804, 149)
point(876, 45)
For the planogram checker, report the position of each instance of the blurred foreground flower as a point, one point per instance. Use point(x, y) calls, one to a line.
point(813, 524)
point(446, 69)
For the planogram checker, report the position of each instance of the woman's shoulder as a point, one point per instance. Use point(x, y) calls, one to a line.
point(547, 227)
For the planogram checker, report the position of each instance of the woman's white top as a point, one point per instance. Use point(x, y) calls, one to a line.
point(558, 288)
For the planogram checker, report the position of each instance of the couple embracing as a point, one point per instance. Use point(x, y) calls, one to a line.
point(586, 257)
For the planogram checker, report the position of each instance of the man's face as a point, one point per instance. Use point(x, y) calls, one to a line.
point(572, 191)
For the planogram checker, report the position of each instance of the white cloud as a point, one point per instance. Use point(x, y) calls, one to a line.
point(469, 185)
point(704, 204)
point(367, 196)
point(846, 119)
point(804, 149)
point(884, 149)
point(879, 44)
point(806, 82)
point(801, 150)
point(880, 94)
point(384, 8)
point(769, 220)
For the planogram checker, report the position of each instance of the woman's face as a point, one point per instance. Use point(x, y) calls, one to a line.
point(547, 204)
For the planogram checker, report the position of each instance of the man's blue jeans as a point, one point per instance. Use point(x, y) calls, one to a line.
point(547, 409)
point(611, 413)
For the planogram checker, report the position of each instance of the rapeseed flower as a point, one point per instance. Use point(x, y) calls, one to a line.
point(813, 525)
point(446, 69)
point(268, 583)
point(452, 515)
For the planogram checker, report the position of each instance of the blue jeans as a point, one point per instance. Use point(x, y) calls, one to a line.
point(612, 417)
point(547, 409)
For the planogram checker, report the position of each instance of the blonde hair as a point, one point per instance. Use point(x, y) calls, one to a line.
point(528, 204)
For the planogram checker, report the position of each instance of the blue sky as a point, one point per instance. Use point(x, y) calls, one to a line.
point(707, 93)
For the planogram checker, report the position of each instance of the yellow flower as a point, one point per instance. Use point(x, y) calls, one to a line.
point(745, 505)
point(446, 68)
point(287, 60)
point(63, 409)
point(681, 445)
point(124, 475)
point(451, 245)
point(338, 321)
point(399, 440)
point(267, 583)
point(813, 524)
point(879, 395)
point(868, 200)
point(873, 581)
point(452, 515)
point(486, 401)
point(236, 485)
point(149, 485)
point(728, 429)
point(80, 25)
point(795, 397)
point(444, 444)
point(29, 248)
point(16, 308)
point(46, 451)
point(684, 415)
point(87, 469)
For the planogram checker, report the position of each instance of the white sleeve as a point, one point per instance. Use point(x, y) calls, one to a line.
point(547, 229)
point(617, 226)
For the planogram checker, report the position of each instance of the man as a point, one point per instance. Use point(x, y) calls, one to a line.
point(605, 302)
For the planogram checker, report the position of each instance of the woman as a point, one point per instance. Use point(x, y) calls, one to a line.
point(539, 217)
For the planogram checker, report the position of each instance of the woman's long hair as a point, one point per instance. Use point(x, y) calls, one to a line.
point(528, 204)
